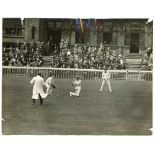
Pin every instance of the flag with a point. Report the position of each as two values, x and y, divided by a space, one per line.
81 23
77 24
89 24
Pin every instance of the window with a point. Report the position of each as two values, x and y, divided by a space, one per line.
58 24
12 26
10 31
19 31
107 38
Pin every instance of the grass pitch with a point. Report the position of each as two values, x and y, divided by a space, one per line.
125 111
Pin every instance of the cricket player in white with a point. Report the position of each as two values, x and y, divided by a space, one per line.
50 84
38 91
77 86
106 78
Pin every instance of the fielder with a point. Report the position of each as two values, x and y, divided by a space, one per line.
50 85
38 91
106 78
77 86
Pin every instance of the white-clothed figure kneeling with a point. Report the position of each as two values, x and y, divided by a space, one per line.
77 87
77 91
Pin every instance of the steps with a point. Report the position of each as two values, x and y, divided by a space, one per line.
134 56
133 61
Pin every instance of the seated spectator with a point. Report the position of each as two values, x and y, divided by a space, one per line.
147 60
81 56
149 51
21 56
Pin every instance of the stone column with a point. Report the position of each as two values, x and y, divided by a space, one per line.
29 24
93 37
120 38
72 39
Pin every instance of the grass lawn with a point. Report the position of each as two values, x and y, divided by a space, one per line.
125 111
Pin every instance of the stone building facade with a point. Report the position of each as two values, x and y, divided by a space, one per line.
132 35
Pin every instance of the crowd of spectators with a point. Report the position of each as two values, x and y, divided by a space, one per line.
26 54
87 57
79 56
147 60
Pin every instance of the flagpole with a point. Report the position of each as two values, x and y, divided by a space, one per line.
81 23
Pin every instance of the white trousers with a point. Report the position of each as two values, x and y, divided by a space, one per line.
103 82
35 95
48 89
77 91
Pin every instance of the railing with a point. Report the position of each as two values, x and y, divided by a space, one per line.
68 73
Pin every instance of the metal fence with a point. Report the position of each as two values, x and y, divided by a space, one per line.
68 73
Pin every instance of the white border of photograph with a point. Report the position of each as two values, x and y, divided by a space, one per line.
76 145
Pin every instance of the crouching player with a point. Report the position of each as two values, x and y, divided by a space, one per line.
50 85
106 78
77 86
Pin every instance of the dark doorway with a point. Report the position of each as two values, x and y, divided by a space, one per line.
107 37
55 38
134 43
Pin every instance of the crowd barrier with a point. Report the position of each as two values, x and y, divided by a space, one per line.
60 73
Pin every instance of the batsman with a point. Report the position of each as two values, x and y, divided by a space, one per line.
50 84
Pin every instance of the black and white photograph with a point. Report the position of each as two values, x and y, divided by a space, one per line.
77 76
